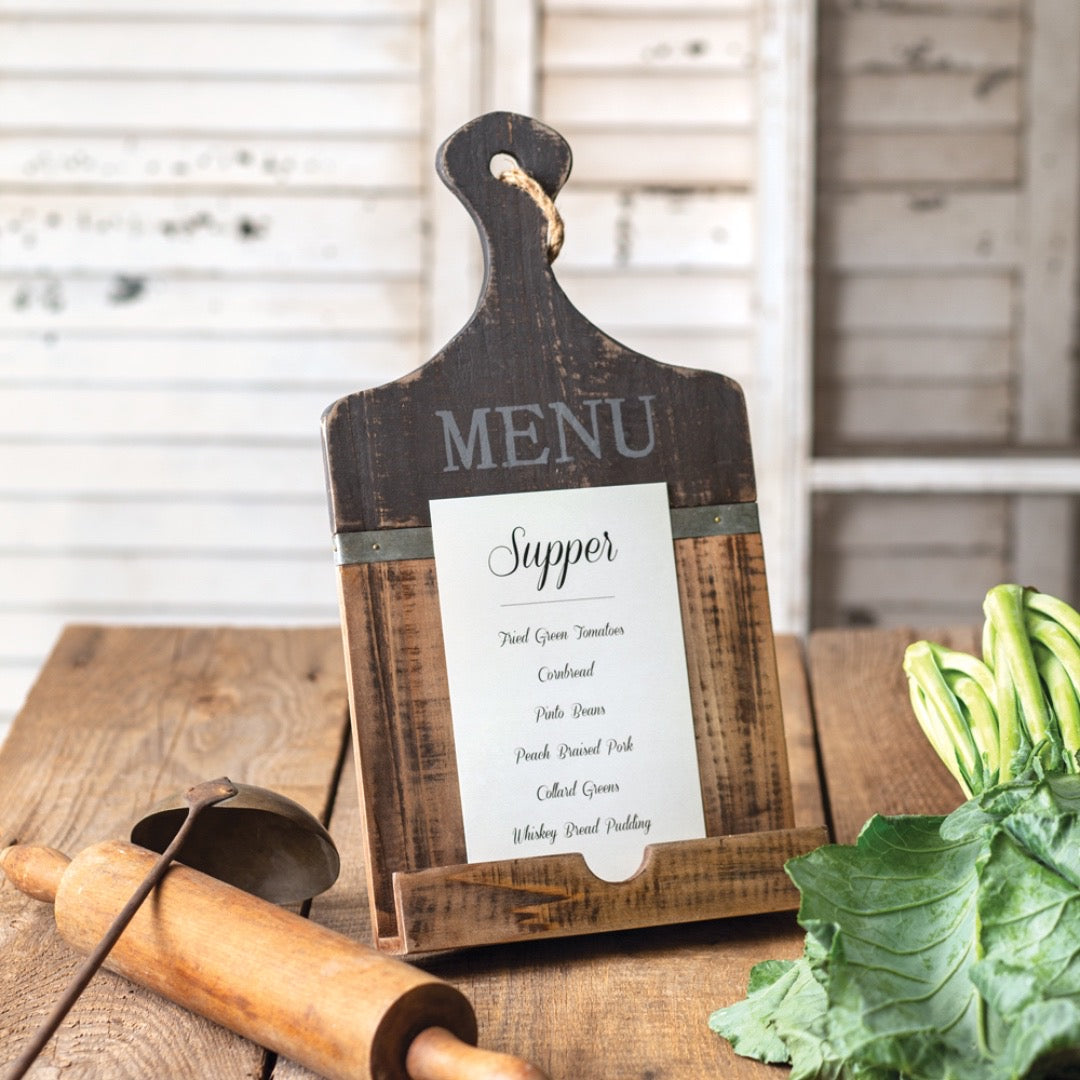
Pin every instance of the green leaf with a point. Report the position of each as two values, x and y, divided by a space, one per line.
900 908
936 948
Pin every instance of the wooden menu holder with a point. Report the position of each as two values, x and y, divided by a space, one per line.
531 396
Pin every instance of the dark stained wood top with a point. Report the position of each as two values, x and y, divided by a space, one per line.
529 395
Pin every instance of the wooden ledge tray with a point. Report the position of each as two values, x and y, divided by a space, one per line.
558 896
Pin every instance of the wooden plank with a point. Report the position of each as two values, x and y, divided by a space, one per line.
558 896
311 9
917 524
806 796
303 581
117 106
648 230
902 414
668 302
385 462
913 41
511 55
1050 221
669 100
675 41
264 707
599 976
128 234
1044 529
661 158
945 577
783 296
922 611
186 47
924 101
116 413
727 353
16 677
954 230
944 7
883 157
222 471
114 524
895 357
647 7
455 270
246 161
333 364
161 304
27 637
883 765
1043 473
900 301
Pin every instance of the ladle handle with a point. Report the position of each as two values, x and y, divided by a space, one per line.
199 798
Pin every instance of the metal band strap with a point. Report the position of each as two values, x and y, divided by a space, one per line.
390 545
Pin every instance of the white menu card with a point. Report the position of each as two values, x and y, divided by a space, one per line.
569 692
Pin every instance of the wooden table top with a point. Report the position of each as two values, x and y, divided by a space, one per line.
122 717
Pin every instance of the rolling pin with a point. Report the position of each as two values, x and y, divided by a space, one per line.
318 998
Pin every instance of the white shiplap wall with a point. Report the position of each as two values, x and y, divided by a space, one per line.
211 227
691 126
948 184
218 218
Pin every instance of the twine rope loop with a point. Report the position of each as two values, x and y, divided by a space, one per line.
555 232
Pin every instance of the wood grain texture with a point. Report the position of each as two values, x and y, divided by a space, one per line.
627 1004
119 718
875 757
387 449
557 896
407 767
531 396
807 803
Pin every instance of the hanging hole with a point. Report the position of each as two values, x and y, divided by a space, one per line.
501 162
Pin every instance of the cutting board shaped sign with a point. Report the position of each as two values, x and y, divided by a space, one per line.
555 612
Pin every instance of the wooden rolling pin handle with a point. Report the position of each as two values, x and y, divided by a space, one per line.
196 939
35 871
437 1054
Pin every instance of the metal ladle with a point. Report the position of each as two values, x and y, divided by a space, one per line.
266 844
257 840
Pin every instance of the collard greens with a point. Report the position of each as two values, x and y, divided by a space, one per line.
937 948
946 948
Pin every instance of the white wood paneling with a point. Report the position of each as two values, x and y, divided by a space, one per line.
206 233
931 101
647 101
669 42
218 163
110 523
916 41
213 226
244 107
196 9
663 158
691 126
947 229
915 302
877 230
282 49
296 360
134 301
1051 228
651 230
872 158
